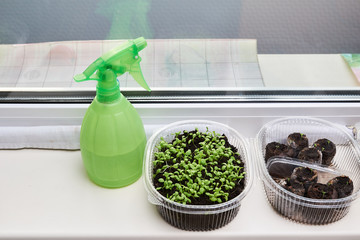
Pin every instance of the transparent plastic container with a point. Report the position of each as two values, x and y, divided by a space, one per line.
345 162
282 167
196 217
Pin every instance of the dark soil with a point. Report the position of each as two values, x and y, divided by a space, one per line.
322 191
303 182
322 151
203 199
278 149
343 186
311 155
304 176
298 141
294 187
328 150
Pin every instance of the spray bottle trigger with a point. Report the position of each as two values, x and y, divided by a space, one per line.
136 73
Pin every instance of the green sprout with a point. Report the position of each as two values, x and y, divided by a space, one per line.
197 164
323 193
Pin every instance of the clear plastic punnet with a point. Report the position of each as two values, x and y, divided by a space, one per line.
196 217
346 162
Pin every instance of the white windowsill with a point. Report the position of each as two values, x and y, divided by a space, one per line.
46 193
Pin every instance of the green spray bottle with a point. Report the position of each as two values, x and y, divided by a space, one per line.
112 136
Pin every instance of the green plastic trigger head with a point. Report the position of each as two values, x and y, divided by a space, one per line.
114 63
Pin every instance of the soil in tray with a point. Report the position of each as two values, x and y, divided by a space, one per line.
198 168
278 149
328 150
322 191
298 141
322 151
342 185
311 155
303 180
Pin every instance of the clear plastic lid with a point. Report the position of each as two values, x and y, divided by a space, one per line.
282 167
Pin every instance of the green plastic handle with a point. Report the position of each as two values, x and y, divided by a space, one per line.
136 73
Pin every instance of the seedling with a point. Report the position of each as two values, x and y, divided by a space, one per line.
196 166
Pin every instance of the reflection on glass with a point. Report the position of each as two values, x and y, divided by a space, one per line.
128 18
192 44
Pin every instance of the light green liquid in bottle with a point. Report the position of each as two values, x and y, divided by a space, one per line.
112 143
114 171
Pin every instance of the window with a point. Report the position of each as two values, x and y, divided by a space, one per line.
197 50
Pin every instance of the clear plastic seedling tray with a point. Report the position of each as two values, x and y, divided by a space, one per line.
196 217
345 162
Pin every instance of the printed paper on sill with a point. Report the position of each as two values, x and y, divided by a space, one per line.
353 60
166 63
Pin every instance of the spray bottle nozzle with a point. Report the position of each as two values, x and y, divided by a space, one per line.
112 64
140 43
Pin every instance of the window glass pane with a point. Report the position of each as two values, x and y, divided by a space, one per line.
242 48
